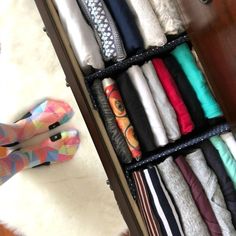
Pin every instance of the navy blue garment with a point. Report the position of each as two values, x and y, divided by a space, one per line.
125 21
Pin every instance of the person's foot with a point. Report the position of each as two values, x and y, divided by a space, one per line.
58 148
43 117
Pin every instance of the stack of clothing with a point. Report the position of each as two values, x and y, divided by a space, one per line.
193 193
110 30
156 103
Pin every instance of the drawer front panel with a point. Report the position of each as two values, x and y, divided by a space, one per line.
212 29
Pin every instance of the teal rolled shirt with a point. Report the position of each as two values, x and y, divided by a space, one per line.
226 157
195 76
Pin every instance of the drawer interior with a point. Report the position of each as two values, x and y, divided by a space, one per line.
118 174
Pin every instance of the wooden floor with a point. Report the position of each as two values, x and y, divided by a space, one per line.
5 232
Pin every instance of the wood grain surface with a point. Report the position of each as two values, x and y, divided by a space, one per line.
212 29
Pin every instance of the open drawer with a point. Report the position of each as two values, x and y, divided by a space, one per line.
115 172
75 79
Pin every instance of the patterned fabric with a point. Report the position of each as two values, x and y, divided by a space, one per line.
45 116
58 148
122 119
144 204
161 200
107 34
117 139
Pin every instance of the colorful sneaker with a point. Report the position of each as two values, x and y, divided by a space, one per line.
58 148
45 116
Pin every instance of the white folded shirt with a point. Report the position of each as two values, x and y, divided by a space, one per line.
145 95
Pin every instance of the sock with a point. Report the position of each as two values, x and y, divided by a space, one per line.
58 148
45 116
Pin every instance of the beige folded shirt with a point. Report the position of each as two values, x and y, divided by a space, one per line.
81 36
148 23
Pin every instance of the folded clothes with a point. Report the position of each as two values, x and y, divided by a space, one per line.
214 161
185 58
226 157
185 122
188 94
163 206
122 119
136 112
168 16
140 83
164 107
145 205
212 189
199 196
105 29
126 24
148 23
116 137
189 215
81 36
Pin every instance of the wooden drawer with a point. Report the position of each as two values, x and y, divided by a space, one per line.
212 29
208 26
93 121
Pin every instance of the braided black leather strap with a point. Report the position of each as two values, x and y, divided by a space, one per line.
135 60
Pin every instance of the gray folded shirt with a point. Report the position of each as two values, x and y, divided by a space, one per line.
191 219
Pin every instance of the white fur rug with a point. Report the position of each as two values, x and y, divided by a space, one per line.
69 199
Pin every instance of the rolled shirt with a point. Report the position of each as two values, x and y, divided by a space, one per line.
126 24
136 112
185 58
188 94
230 141
199 196
226 157
163 105
137 77
145 205
212 189
190 217
148 23
162 203
104 28
117 139
185 122
214 161
80 35
168 16
122 119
